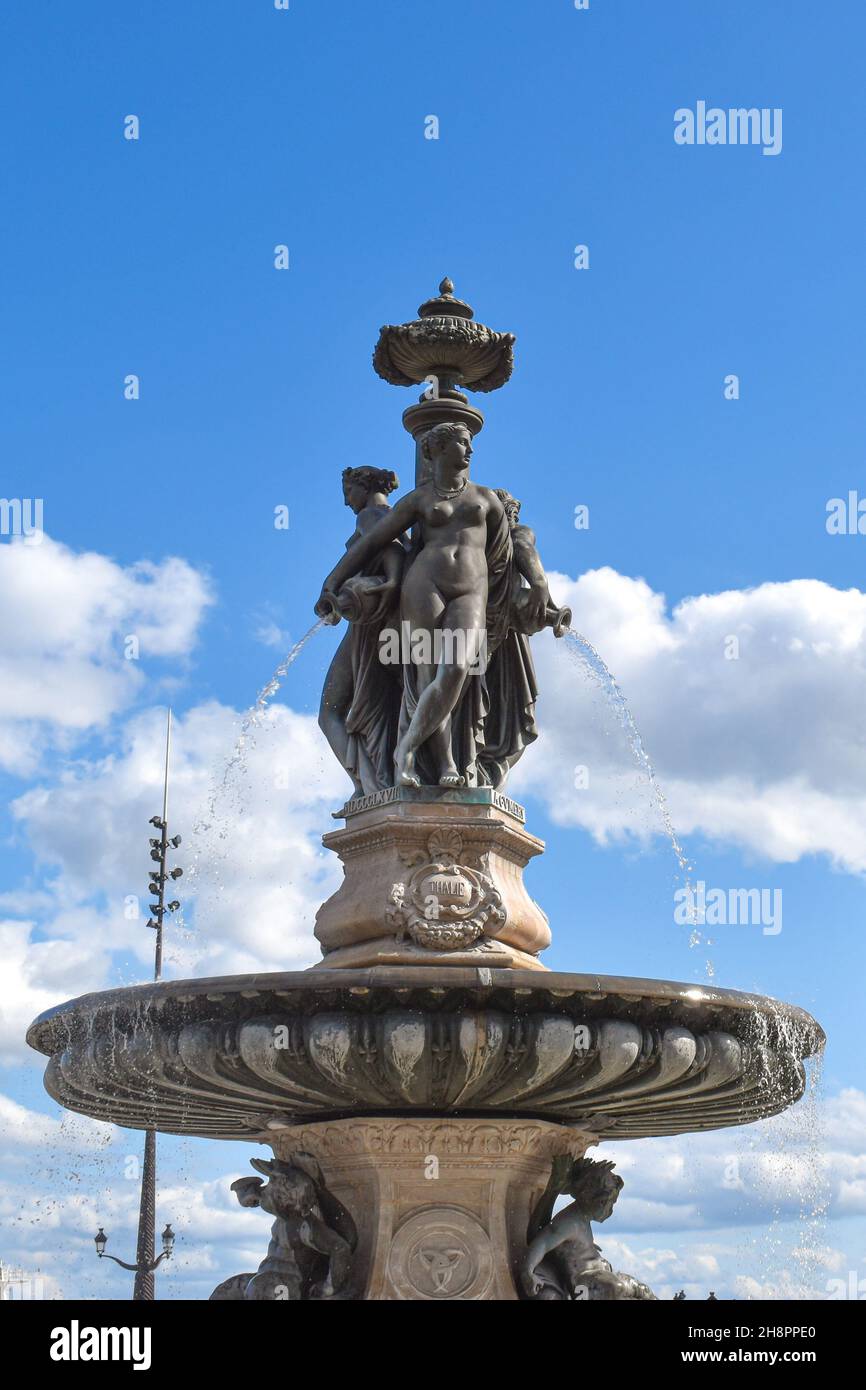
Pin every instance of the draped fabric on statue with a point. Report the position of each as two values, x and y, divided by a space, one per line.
372 719
511 692
371 723
495 717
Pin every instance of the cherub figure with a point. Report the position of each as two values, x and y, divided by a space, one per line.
563 1262
312 1238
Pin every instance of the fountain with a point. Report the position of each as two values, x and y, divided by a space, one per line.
430 1088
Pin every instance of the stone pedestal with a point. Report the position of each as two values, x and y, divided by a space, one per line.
433 878
441 1205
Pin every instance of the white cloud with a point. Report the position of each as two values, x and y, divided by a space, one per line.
266 629
762 1211
804 1167
694 1267
845 1120
64 622
27 1127
255 871
23 1128
767 752
63 1175
36 974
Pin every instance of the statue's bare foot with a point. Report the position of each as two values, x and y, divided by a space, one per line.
405 765
452 779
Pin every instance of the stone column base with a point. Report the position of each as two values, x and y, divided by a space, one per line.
441 1205
433 878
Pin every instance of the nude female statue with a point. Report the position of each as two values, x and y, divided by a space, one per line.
445 589
361 698
563 1263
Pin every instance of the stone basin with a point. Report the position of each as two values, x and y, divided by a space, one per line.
248 1056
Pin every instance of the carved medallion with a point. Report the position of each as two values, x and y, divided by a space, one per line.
441 1253
445 905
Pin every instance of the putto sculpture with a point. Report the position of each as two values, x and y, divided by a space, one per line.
562 1261
312 1238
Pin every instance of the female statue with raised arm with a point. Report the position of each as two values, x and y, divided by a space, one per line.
454 604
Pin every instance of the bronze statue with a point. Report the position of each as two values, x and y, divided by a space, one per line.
312 1238
361 697
468 685
532 606
562 1261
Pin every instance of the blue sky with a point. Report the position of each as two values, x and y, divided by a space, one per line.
155 257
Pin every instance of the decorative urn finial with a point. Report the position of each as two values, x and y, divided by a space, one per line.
447 343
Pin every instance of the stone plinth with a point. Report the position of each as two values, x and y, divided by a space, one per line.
433 878
442 1206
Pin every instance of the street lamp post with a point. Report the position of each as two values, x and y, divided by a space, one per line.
167 1246
158 853
145 1263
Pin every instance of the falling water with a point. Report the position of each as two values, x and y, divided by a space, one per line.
793 1180
226 802
792 1140
253 717
250 722
586 654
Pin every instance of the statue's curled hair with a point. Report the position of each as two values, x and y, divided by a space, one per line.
510 503
373 479
592 1179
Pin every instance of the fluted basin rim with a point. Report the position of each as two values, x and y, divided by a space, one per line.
613 995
